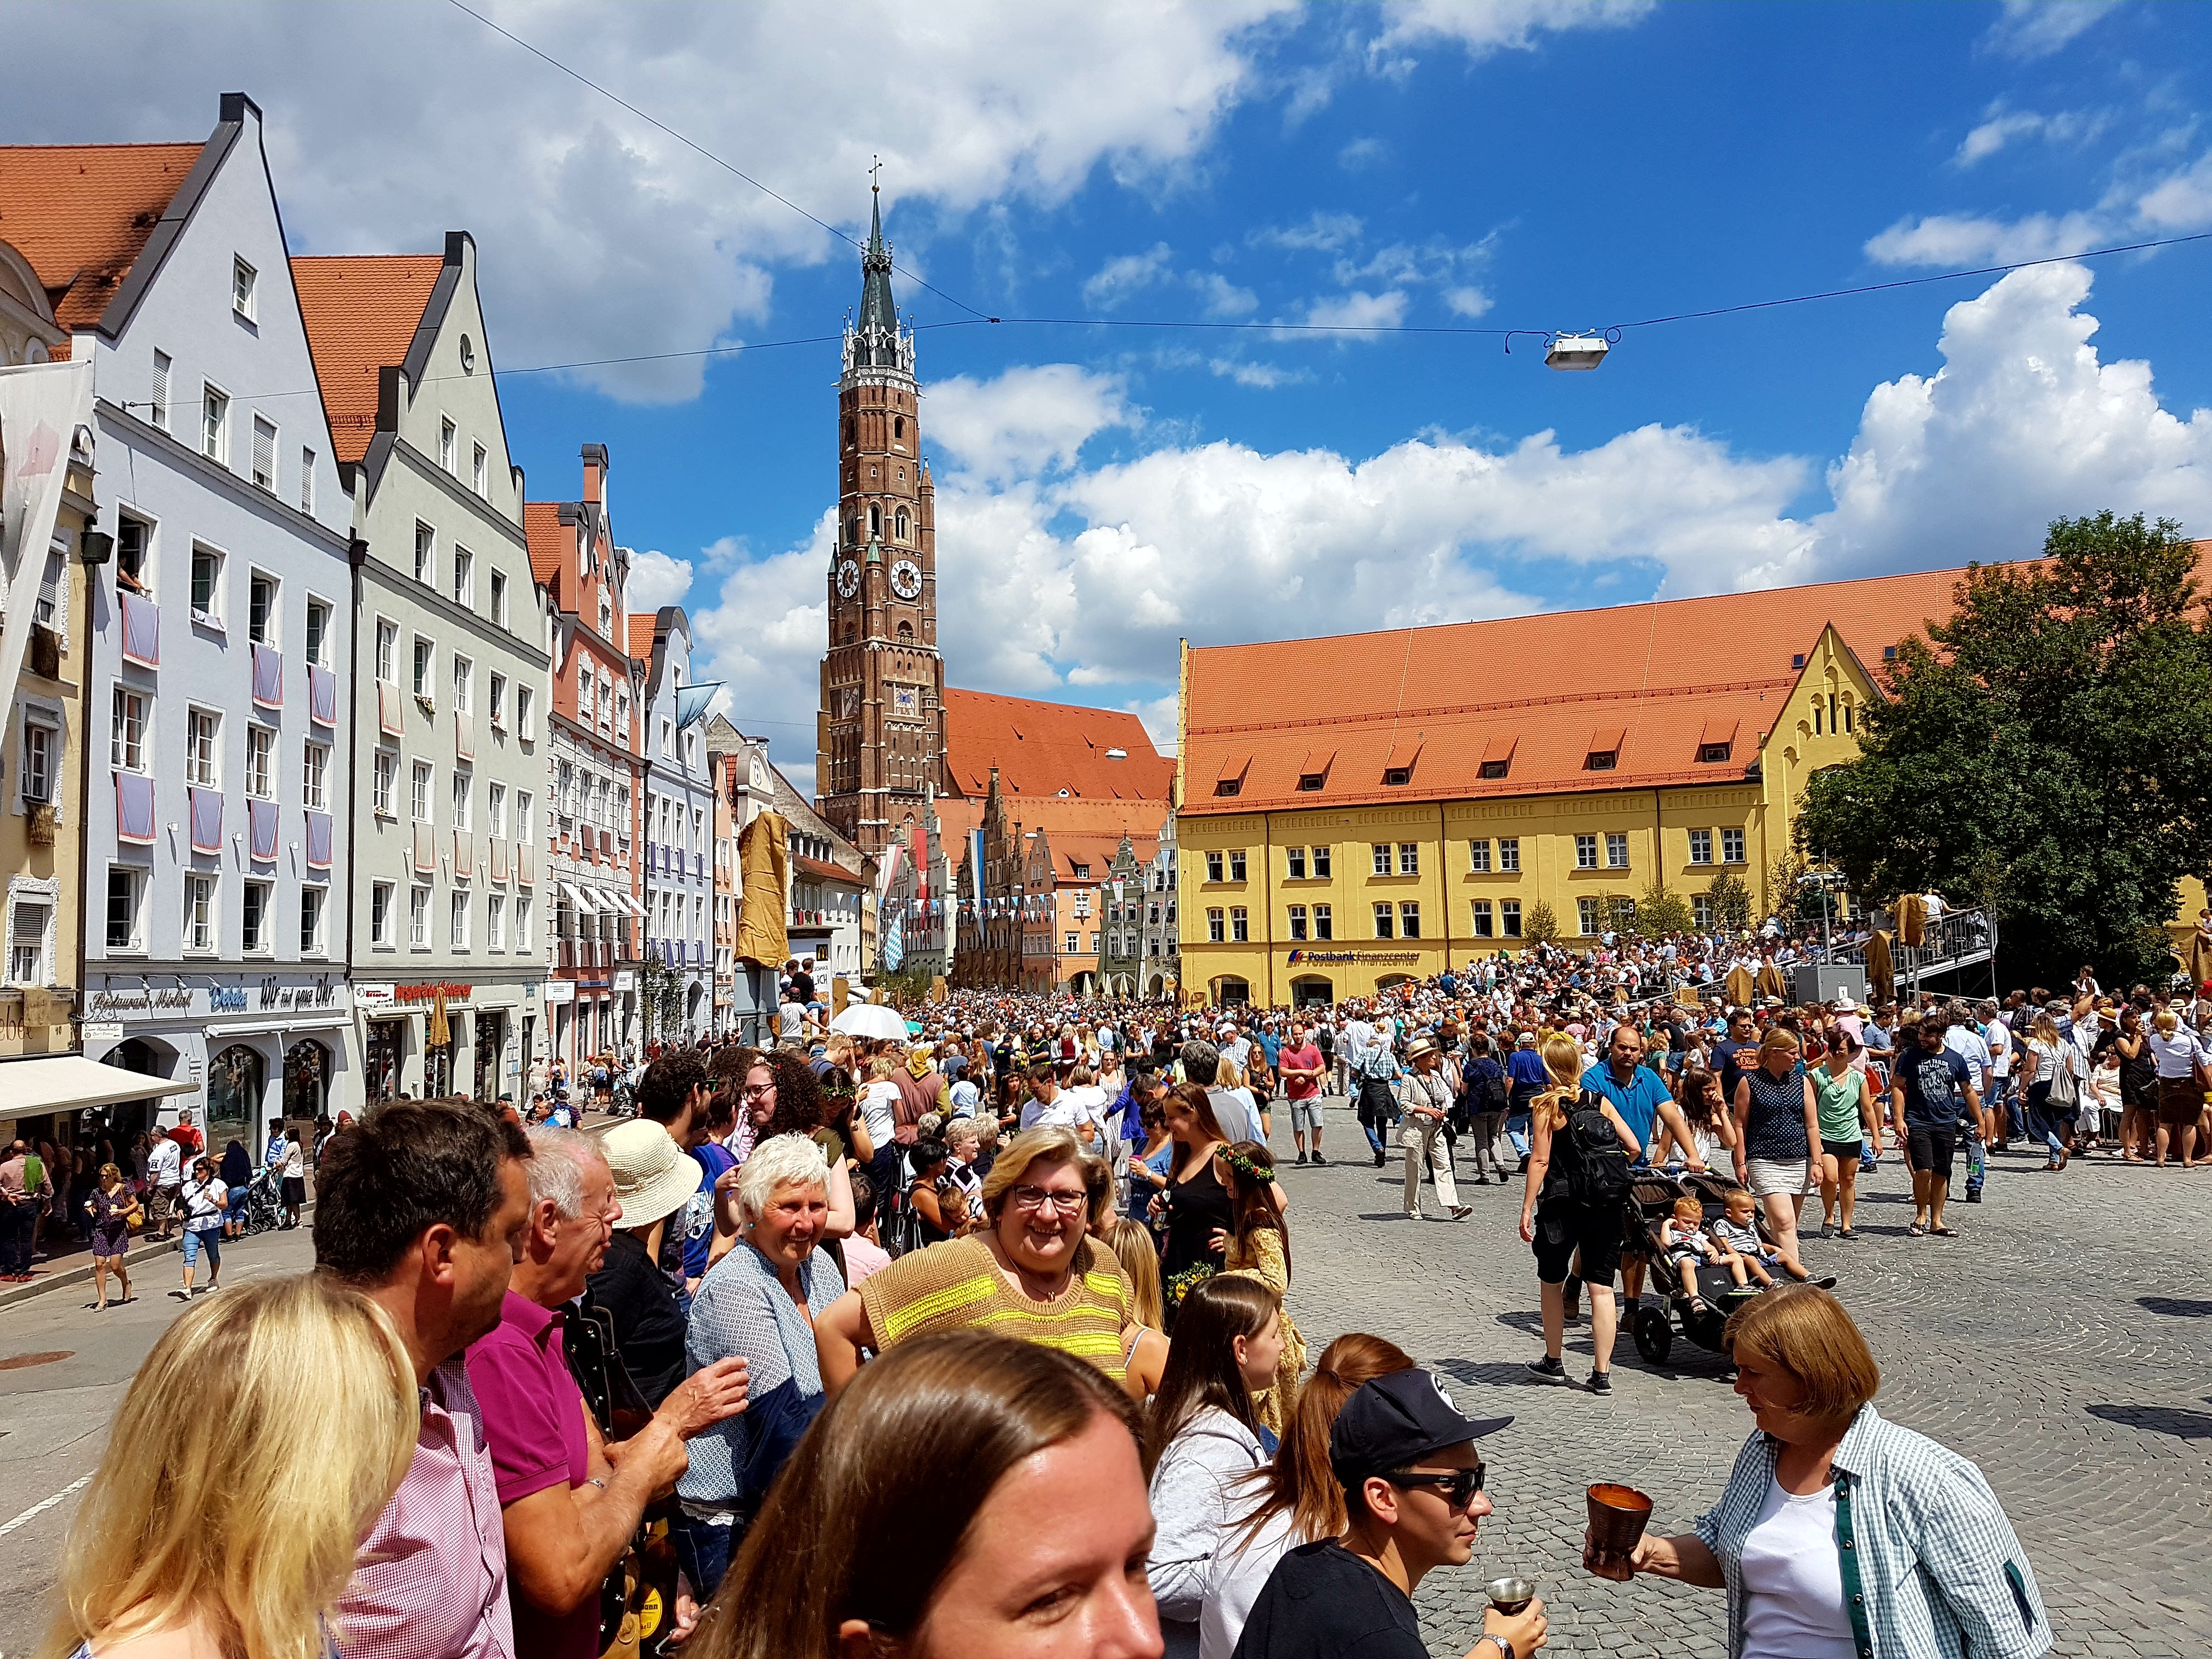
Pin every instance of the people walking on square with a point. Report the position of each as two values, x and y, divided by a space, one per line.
1840 1534
1932 1085
206 1201
1778 1126
1570 1207
112 1207
1424 1101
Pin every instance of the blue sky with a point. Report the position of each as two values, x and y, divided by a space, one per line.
1105 491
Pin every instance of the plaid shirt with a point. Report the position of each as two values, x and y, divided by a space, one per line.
1941 1573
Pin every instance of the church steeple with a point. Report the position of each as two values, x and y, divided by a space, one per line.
878 314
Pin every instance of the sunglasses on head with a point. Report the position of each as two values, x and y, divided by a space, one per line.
1457 1487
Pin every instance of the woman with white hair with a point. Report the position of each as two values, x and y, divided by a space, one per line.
758 1304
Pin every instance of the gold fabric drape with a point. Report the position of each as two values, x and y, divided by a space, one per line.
1740 987
1771 983
764 862
441 1033
1912 920
2199 959
1881 971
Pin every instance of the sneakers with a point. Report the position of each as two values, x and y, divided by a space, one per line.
1601 1382
1319 1161
1378 1160
1548 1370
1301 1158
1461 1211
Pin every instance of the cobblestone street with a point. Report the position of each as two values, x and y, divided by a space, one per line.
2063 1341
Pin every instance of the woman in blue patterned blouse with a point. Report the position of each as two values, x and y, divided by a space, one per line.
1841 1535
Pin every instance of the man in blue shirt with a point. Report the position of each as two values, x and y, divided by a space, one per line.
1930 1083
1639 1095
1525 1074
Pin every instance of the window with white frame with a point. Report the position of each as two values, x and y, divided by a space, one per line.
1701 909
668 740
1701 847
199 929
1509 854
1588 917
464 676
126 731
418 918
425 661
384 774
314 902
1409 919
522 921
1616 850
157 409
1508 917
1732 846
461 920
1386 919
38 755
126 897
1382 858
448 447
215 424
1298 916
426 553
381 922
525 714
387 651
314 786
243 283
498 597
464 795
1477 857
203 748
253 936
494 923
1585 854
261 761
1409 858
465 577
1483 922
1240 925
495 701
418 796
207 584
480 471
307 481
28 923
319 632
261 608
264 454
524 816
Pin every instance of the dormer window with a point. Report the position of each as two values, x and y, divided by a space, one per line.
1711 752
1604 752
1228 787
1309 781
1397 777
1602 760
1494 769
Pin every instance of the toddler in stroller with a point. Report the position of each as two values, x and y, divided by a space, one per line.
1685 1247
1668 1215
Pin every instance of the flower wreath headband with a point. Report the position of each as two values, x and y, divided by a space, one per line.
1243 1164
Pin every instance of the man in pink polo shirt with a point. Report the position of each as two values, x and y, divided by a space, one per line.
569 1512
1299 1063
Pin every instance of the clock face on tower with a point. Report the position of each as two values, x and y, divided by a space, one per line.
849 579
906 580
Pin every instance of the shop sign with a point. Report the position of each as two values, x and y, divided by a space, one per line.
375 996
318 994
530 992
625 979
560 990
226 999
430 992
104 1030
1360 958
112 1005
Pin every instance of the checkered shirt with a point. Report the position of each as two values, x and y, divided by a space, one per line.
1941 1571
430 1582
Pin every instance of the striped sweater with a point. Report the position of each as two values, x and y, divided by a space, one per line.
957 1286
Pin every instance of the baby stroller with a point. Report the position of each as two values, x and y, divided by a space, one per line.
1652 1202
264 1200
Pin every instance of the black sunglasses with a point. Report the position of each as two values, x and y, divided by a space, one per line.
1457 1488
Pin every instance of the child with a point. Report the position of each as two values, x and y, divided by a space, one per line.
1737 1234
1686 1246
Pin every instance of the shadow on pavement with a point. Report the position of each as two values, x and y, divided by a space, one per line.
2175 1307
2157 1420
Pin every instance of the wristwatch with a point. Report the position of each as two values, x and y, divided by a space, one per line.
1505 1647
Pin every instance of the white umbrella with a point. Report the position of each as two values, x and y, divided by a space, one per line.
870 1019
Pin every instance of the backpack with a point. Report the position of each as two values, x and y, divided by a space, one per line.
1596 1162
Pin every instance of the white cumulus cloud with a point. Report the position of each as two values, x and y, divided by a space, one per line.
1484 27
1360 309
656 579
2036 28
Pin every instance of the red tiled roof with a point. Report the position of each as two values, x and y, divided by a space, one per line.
1648 683
81 214
1096 851
821 871
361 310
1043 748
640 636
549 539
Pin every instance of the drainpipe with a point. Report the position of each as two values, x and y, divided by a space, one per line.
1268 896
1443 881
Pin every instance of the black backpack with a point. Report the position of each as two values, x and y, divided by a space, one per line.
1593 1160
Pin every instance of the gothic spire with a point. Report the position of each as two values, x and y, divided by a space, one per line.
877 310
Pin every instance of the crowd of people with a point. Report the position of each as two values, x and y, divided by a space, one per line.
980 1341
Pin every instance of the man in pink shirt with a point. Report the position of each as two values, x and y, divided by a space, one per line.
422 1206
1299 1065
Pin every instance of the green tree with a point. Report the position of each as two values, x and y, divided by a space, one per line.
2050 742
1540 926
1661 910
1617 914
1730 900
660 1000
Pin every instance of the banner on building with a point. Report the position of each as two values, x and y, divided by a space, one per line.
41 407
764 856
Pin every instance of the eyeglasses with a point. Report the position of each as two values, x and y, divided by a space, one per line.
1457 1488
757 1090
1035 1198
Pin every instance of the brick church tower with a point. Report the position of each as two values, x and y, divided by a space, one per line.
880 734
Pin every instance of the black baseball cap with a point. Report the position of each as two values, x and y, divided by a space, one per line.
1394 1421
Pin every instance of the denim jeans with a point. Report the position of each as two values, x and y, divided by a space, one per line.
16 1228
210 1241
2042 1123
704 1549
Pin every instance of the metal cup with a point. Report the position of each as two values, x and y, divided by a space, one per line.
1510 1596
1618 1516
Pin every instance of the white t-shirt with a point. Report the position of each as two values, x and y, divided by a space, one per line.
877 1101
1998 1036
791 1019
295 1161
165 1165
1068 1110
1793 1581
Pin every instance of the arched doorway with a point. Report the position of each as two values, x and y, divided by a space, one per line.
307 1080
1230 992
1312 991
1156 988
235 1079
130 1118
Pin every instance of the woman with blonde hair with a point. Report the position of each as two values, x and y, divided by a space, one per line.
1566 1212
237 1536
112 1207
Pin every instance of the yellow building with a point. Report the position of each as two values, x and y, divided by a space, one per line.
1369 808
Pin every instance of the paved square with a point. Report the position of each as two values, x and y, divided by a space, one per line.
2063 1341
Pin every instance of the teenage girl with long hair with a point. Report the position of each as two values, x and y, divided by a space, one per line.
1257 1244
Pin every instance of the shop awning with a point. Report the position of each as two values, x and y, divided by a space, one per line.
635 909
580 900
67 1082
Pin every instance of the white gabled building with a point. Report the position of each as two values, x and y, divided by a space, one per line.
217 694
